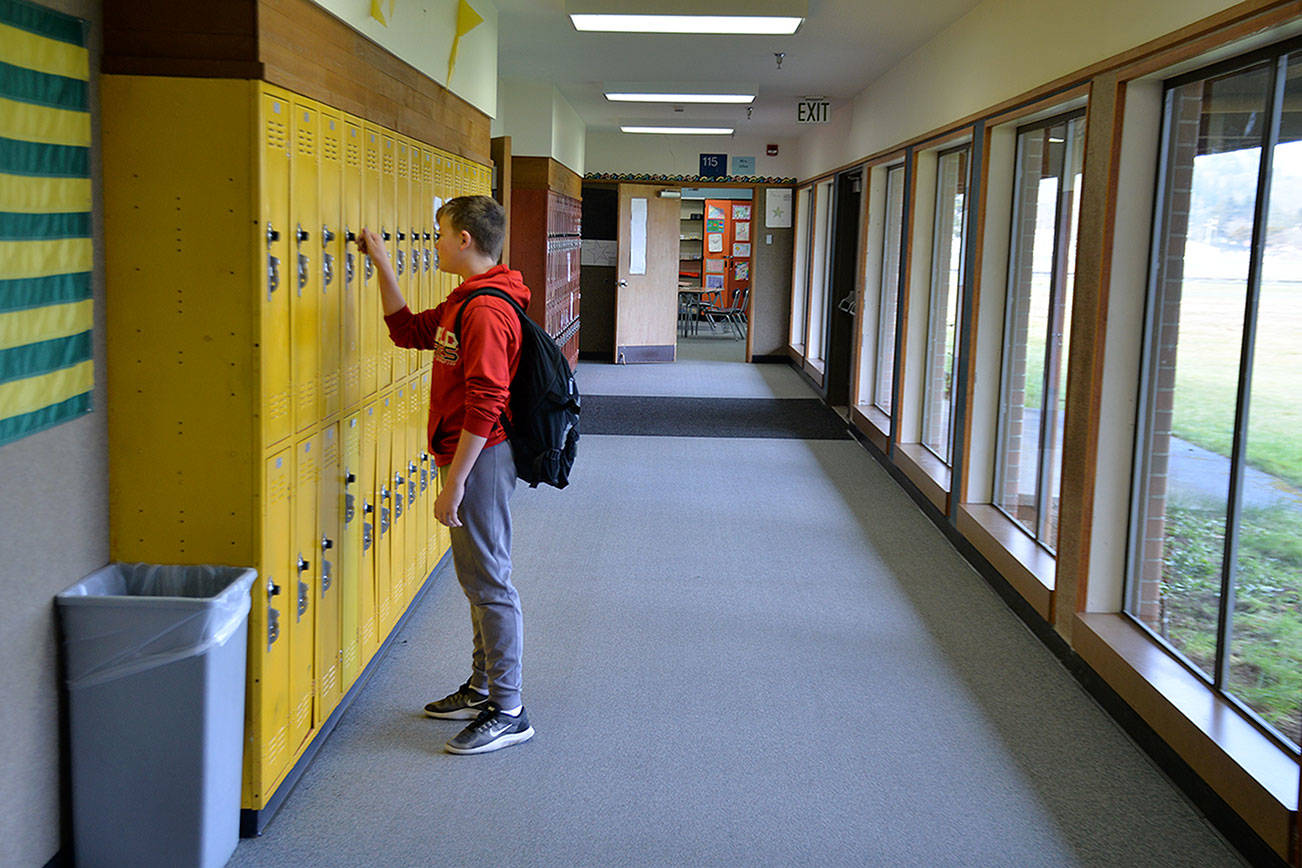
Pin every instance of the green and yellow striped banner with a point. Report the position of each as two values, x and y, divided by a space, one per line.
46 251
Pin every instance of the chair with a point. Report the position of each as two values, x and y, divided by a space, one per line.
734 314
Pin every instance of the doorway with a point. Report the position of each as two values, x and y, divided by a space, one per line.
842 307
714 274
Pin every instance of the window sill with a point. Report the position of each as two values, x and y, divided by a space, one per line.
1025 565
1254 776
926 471
874 424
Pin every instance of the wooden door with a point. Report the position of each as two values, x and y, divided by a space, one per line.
646 293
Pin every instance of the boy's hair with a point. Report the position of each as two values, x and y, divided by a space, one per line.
482 217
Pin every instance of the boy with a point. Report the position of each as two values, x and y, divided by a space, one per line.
468 393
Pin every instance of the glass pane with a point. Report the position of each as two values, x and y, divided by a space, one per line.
822 254
1060 345
1040 156
886 318
942 318
1213 148
801 258
1266 649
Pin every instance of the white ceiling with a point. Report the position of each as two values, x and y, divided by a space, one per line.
842 47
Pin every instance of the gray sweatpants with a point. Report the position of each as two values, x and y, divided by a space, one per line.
481 553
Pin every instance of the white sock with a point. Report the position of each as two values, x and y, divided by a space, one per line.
513 712
478 690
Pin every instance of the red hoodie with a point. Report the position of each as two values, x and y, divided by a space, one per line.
470 384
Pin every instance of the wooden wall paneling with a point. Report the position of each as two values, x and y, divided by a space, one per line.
183 39
529 254
1085 355
501 156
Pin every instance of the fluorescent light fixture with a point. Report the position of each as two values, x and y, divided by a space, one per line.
715 98
681 131
765 25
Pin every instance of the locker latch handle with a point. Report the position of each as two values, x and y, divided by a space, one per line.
367 507
427 236
384 234
424 456
273 275
411 466
302 234
349 477
402 236
303 564
272 235
384 493
326 543
326 236
349 235
273 589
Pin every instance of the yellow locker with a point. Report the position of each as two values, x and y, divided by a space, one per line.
350 552
302 632
384 571
427 227
400 540
401 247
276 391
416 358
350 290
267 752
328 643
369 298
417 548
305 211
388 221
329 336
368 602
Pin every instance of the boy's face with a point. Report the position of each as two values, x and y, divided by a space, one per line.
450 246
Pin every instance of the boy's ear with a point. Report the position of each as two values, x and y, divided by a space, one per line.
466 240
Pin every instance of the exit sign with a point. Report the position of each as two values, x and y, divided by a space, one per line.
813 111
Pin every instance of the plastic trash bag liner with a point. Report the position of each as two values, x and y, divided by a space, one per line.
125 619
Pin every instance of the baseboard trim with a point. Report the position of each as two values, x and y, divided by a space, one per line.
635 355
253 822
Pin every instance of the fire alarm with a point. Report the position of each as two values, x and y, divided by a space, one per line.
771 150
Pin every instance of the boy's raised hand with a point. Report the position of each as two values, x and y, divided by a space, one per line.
370 244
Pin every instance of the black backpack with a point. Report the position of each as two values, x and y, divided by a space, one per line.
544 424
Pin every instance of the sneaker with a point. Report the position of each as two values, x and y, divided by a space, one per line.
492 730
463 704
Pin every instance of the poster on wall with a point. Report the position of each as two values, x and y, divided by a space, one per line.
741 231
741 271
714 225
740 212
714 212
714 242
714 265
777 208
741 250
714 281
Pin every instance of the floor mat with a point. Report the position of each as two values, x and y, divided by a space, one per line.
773 418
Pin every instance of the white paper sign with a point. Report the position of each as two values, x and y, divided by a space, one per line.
714 242
777 208
637 238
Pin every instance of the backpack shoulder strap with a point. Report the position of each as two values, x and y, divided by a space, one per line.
456 326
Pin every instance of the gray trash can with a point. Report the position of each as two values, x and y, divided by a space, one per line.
154 662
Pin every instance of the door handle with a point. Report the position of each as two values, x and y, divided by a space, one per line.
622 283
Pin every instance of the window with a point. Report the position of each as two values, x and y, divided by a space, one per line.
819 273
943 326
1216 525
1041 276
799 272
887 305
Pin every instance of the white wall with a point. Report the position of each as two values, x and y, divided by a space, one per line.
421 34
540 122
613 151
1000 49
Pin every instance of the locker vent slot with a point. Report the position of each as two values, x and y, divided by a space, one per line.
330 149
306 141
277 134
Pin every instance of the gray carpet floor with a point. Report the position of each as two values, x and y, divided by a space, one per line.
739 651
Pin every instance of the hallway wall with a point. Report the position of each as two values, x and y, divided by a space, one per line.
1000 49
54 503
